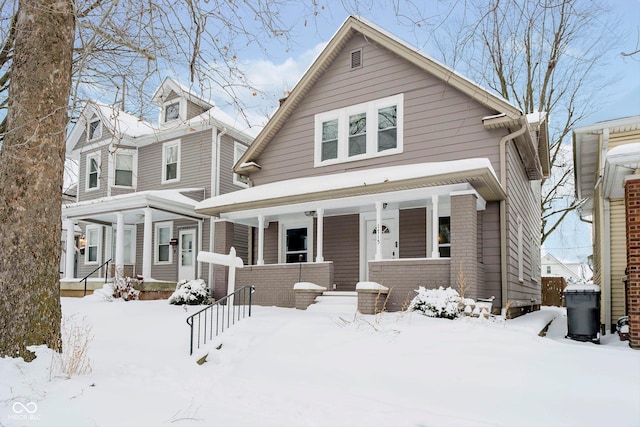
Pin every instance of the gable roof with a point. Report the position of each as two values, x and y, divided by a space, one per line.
169 85
351 26
119 123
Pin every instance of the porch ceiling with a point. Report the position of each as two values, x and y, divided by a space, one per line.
388 182
166 205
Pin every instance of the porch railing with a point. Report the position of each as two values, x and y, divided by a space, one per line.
210 321
106 272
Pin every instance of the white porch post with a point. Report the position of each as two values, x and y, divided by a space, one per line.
120 243
70 249
146 246
435 251
378 231
260 240
319 237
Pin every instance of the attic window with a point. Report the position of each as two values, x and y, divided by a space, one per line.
356 59
95 130
172 111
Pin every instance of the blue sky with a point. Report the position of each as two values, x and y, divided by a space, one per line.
279 69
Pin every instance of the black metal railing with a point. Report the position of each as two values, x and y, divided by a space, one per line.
236 305
106 273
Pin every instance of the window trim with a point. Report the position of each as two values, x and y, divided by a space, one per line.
97 133
342 115
181 111
95 155
156 230
167 144
88 230
283 226
238 150
134 167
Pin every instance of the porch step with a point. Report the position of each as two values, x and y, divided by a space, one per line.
336 302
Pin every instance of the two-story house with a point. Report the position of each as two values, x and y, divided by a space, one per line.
385 166
607 176
138 184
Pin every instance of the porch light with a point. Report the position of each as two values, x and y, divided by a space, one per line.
310 213
82 244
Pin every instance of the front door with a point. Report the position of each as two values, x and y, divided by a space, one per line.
388 240
187 257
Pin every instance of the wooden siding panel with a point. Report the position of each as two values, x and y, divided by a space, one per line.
618 254
413 234
342 247
440 123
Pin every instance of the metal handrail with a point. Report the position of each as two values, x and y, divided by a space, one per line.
106 272
240 298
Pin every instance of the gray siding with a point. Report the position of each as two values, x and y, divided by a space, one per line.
342 247
440 123
413 234
103 174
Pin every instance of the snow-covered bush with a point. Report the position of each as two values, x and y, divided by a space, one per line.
193 292
437 302
124 287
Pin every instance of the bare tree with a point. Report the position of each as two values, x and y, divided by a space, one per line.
542 55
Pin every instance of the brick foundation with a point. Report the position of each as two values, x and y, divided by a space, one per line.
632 211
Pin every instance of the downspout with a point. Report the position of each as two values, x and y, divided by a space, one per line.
503 211
605 236
215 191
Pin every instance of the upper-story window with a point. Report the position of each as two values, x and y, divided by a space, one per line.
94 130
93 172
238 151
171 111
360 131
124 164
171 161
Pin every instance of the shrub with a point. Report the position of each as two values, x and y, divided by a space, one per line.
73 359
193 292
439 302
124 287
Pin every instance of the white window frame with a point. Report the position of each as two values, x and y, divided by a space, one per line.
342 116
97 133
238 150
177 143
90 230
520 250
283 226
181 111
132 245
112 167
97 155
156 232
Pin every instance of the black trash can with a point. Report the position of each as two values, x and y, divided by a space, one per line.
583 312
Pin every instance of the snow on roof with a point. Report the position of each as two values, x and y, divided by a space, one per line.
167 195
625 154
121 122
338 181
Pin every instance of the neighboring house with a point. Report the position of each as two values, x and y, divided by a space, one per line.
138 185
607 175
384 165
552 266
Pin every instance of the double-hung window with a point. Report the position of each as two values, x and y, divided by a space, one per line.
296 241
93 172
124 167
94 242
238 151
163 253
171 161
359 131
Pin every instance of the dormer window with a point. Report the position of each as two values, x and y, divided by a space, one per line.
172 112
95 130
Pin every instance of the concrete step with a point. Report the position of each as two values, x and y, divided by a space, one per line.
336 302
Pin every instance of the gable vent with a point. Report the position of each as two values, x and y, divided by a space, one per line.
356 59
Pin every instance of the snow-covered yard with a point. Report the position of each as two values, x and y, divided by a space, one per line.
284 367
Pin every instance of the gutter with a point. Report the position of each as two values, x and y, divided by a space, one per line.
503 210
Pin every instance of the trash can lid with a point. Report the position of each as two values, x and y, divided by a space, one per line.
582 287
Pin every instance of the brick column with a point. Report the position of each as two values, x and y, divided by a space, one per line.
632 211
464 242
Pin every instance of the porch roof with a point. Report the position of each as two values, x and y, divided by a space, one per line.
477 172
167 204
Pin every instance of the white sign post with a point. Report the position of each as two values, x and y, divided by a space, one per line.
230 260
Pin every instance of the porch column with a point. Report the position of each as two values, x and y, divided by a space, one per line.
435 250
464 242
378 231
260 260
319 237
120 243
70 249
147 248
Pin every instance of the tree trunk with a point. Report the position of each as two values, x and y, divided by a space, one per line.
31 177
